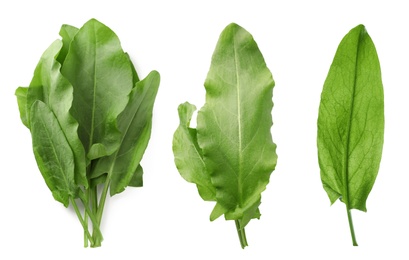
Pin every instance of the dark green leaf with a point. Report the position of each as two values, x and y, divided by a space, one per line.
137 180
101 75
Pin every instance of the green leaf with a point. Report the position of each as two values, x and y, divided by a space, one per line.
53 153
135 124
67 33
137 180
188 155
49 86
351 122
234 125
233 136
101 75
21 94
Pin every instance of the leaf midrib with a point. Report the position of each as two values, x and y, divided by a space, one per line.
64 177
236 64
91 137
349 126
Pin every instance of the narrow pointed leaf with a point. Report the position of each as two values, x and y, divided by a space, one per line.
101 75
234 125
351 121
135 124
49 86
188 155
53 153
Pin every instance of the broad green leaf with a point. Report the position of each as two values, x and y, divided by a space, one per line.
101 75
234 124
351 121
232 143
189 156
67 33
53 153
21 94
135 124
49 86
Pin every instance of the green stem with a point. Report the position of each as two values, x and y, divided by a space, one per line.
84 225
94 207
242 234
351 227
103 198
95 223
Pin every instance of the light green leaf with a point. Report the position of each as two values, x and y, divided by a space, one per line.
188 155
351 121
67 33
101 75
21 94
234 125
53 153
232 142
50 87
135 124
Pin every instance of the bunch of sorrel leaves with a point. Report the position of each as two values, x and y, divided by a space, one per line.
90 119
231 154
351 123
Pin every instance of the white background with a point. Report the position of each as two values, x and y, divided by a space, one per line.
166 219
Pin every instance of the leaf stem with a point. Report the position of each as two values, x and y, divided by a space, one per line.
84 225
242 234
103 198
351 227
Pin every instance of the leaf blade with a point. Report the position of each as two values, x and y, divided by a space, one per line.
49 86
96 59
235 122
188 155
53 153
135 124
351 121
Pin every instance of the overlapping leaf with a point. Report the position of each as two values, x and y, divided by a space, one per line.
87 110
135 124
101 75
233 130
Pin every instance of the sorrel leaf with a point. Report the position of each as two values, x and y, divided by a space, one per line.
50 87
233 128
135 124
101 75
351 122
188 155
87 76
21 94
67 33
53 153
